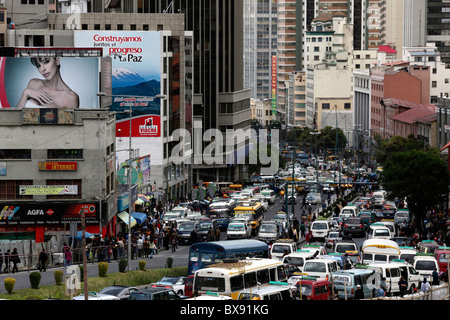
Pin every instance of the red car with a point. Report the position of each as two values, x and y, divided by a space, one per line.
313 288
188 286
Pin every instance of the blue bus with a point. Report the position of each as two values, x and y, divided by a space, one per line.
203 254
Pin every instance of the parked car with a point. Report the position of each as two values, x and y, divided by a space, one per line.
155 293
177 284
121 292
96 296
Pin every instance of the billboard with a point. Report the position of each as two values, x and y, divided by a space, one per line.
136 71
49 82
274 87
46 213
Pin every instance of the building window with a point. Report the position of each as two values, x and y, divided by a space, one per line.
434 84
325 106
65 154
9 189
347 105
15 154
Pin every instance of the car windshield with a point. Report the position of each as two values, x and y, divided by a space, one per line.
342 248
268 228
382 233
298 261
112 291
186 227
341 279
444 257
333 235
402 215
168 281
235 227
319 226
205 226
249 296
425 265
314 267
280 248
306 289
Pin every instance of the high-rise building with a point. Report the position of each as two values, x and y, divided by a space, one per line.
438 26
260 44
219 99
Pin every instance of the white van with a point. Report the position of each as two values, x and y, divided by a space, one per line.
299 258
378 198
269 292
378 231
320 229
269 195
425 264
349 212
411 275
390 225
392 273
281 246
320 268
379 251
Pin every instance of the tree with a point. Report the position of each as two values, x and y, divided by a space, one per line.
419 176
397 144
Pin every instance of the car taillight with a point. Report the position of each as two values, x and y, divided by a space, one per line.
360 225
352 291
345 226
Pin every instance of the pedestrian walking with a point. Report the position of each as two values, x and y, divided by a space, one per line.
174 242
43 258
67 255
403 284
152 247
7 260
15 259
1 260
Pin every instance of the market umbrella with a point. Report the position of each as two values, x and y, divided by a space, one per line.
143 198
88 235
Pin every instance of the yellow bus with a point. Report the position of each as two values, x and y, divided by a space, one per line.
232 276
252 211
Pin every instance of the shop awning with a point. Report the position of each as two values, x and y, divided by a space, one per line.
144 198
124 217
140 217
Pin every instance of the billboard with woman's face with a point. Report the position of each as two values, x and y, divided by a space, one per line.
49 82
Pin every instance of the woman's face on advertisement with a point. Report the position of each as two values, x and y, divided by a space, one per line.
47 67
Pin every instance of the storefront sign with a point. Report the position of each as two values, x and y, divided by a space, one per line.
48 190
46 214
57 166
2 168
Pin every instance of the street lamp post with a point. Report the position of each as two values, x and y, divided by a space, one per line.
102 94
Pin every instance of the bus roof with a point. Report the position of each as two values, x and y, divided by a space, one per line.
241 265
381 246
230 245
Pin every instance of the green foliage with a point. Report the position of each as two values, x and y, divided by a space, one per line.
169 262
396 144
123 263
142 265
102 269
419 176
132 278
59 275
35 279
9 285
